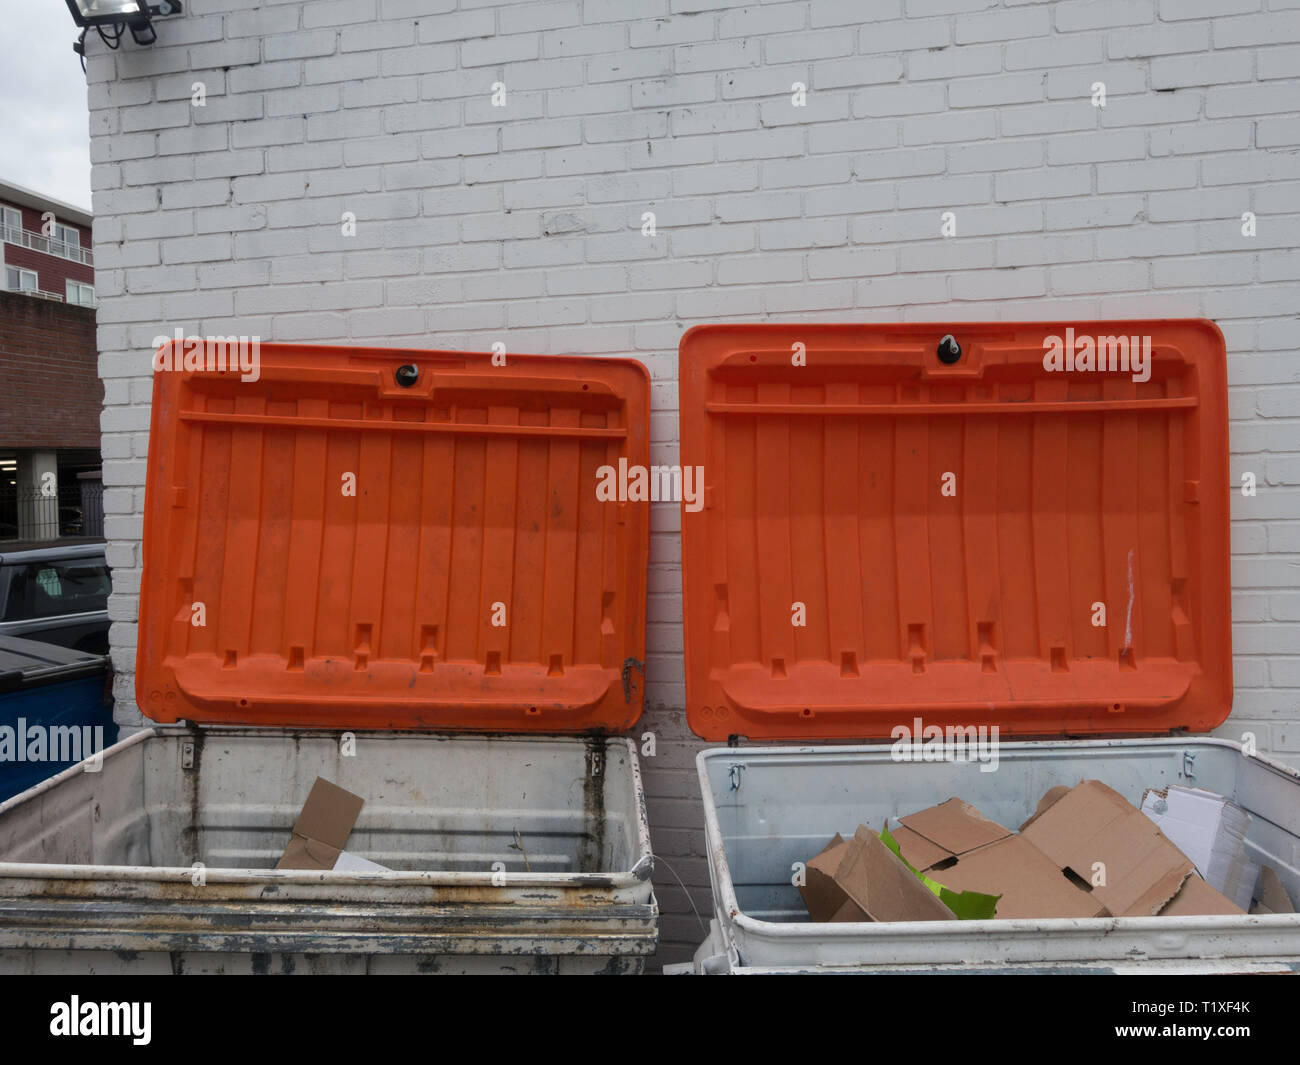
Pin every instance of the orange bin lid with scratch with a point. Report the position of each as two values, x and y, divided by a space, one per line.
992 537
342 543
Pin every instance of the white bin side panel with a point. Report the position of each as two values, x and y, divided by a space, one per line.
768 808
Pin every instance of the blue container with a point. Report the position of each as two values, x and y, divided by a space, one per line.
55 710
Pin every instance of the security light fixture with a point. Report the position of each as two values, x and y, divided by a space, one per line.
105 12
110 17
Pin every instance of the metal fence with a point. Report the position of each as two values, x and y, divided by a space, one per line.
77 509
90 487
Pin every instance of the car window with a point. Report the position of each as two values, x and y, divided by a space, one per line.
48 579
13 606
72 587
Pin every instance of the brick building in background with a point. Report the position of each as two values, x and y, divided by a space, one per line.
50 392
523 223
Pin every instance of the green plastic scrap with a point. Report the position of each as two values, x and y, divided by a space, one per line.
967 905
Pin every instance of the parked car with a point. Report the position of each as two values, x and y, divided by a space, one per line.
56 592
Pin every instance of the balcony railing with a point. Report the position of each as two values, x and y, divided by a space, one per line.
25 238
38 294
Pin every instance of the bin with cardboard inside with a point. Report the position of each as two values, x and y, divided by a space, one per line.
931 532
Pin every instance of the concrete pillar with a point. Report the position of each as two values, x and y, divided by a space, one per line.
38 495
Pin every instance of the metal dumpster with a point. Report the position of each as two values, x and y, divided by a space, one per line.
163 860
918 530
351 554
768 808
55 710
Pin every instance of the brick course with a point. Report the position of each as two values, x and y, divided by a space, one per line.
50 392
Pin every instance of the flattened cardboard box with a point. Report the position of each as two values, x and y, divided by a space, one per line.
1196 898
862 880
962 849
1096 834
322 829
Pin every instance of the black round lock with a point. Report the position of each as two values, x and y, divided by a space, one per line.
407 375
949 350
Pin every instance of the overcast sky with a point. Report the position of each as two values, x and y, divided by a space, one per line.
46 142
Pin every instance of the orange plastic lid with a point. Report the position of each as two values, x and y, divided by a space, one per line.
343 543
1013 537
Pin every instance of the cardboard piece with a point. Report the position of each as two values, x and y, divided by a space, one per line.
1028 881
1211 831
863 880
1272 895
1096 834
322 828
821 895
1197 898
959 847
967 905
953 827
1049 796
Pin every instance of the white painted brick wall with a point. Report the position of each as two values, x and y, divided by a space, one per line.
478 223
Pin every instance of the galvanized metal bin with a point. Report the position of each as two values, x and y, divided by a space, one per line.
767 808
98 870
940 527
